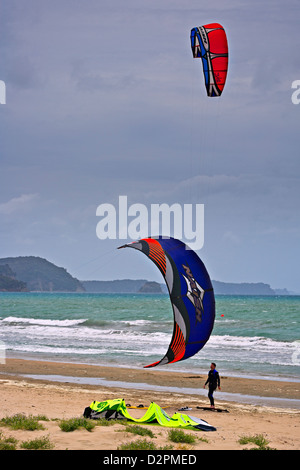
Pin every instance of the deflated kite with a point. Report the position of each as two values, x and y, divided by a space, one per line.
191 294
209 43
117 409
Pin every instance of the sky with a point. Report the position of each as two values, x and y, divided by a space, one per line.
104 98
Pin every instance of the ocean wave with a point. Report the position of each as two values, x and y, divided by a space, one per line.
249 342
41 321
226 320
110 322
43 332
34 349
136 330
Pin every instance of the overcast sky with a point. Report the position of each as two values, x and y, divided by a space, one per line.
104 99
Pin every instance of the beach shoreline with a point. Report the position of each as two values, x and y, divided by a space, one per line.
263 387
21 393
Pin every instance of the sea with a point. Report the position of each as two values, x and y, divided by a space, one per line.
253 336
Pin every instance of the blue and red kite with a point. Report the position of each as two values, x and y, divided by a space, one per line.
209 43
191 294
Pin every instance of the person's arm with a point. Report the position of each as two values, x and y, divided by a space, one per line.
218 377
206 381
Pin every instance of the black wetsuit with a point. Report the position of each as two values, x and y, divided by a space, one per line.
213 381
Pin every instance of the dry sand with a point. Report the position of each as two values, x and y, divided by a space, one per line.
57 400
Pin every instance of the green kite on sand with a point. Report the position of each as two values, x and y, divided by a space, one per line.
116 409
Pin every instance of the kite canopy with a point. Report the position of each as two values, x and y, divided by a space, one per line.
191 294
209 43
116 409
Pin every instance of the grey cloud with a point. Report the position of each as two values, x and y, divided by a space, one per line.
17 203
104 98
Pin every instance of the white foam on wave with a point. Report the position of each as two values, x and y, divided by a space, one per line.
35 349
75 336
249 343
60 336
41 321
77 328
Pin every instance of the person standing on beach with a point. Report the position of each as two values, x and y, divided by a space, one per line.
213 382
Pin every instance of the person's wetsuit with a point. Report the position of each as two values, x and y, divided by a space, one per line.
213 382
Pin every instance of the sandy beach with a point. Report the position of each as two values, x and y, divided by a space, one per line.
64 399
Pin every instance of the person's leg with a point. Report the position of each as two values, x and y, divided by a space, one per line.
211 397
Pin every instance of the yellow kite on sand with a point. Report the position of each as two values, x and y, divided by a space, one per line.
117 409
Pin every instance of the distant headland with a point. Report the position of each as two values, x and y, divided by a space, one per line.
35 274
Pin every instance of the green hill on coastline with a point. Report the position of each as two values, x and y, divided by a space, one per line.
36 274
243 288
8 281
